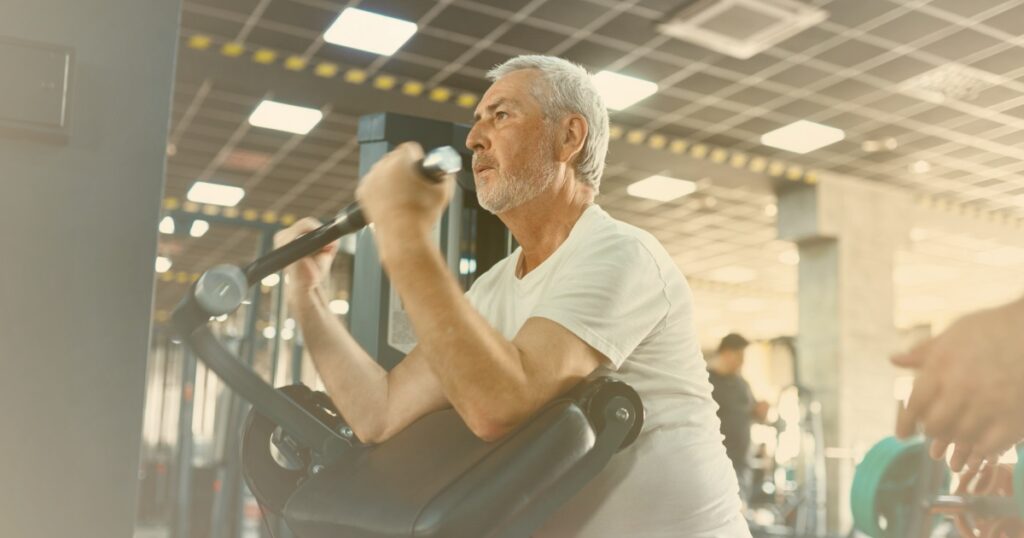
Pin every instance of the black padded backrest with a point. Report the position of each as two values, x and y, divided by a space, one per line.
436 478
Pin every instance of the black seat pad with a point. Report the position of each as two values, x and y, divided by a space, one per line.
436 478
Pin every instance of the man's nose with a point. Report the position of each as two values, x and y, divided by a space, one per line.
477 138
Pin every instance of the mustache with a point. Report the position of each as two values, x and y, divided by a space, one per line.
483 161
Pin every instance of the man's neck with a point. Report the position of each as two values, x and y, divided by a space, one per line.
543 224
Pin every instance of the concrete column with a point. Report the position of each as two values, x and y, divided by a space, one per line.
847 232
82 177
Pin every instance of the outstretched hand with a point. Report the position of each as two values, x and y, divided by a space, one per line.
968 390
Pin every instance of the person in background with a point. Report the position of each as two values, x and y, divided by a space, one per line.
737 407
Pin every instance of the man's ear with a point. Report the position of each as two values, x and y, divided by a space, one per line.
574 133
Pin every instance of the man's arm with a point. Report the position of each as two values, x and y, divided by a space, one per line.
376 403
495 384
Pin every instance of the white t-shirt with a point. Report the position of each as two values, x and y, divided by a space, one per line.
614 286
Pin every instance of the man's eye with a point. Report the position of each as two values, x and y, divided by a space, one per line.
501 114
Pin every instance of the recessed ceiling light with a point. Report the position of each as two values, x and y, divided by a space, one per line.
284 117
199 228
167 225
203 192
920 167
770 210
368 31
339 306
871 146
269 332
661 188
622 91
733 274
802 136
163 264
271 280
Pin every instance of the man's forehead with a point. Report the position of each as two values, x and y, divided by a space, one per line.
513 88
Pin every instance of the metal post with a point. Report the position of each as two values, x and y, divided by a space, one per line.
181 524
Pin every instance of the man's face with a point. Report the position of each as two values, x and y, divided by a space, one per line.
733 358
513 145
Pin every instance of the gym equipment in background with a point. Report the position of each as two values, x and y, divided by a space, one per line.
898 491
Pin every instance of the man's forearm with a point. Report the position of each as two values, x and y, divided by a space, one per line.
355 382
479 369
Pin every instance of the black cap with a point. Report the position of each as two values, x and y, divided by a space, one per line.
733 341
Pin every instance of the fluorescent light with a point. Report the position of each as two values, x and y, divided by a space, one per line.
199 228
163 264
203 192
222 317
167 225
269 332
368 31
733 274
920 167
271 280
802 136
621 91
287 334
661 188
339 306
289 323
284 117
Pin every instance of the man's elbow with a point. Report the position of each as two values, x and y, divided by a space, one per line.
372 434
492 425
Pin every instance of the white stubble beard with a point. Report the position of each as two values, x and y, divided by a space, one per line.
510 190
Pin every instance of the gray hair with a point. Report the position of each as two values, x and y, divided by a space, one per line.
569 90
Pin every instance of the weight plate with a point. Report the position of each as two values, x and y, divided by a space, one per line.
884 485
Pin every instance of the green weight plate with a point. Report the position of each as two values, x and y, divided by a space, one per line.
884 485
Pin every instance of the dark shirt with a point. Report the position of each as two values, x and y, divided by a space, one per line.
735 410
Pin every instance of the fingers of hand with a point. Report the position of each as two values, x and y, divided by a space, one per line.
941 418
961 454
996 440
302 226
937 450
915 358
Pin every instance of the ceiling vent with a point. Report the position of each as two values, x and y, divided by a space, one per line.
950 81
741 28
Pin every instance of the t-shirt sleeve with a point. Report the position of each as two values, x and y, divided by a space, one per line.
612 297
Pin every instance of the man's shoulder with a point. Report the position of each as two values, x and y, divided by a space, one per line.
609 233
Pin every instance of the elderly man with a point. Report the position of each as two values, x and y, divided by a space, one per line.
584 295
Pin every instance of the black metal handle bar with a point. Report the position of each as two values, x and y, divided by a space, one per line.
221 290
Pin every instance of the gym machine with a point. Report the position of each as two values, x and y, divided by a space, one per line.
302 462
